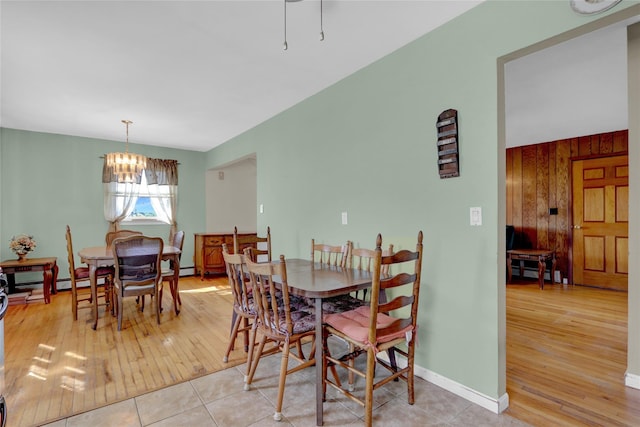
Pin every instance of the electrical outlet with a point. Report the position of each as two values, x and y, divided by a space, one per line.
261 208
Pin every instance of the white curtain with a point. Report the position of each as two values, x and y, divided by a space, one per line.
162 183
119 197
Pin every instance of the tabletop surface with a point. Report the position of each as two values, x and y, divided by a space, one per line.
102 252
27 262
530 251
315 280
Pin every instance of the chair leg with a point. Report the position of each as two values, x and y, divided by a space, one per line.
392 361
120 310
255 360
410 361
368 401
232 337
352 363
175 295
245 326
277 416
107 293
252 342
74 300
160 298
158 304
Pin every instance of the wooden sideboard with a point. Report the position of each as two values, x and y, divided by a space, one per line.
208 251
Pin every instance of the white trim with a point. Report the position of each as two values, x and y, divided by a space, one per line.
496 406
632 380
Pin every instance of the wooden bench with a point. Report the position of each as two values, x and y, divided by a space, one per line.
540 255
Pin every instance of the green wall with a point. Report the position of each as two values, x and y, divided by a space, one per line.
48 181
367 146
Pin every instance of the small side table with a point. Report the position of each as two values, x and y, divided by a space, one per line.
540 255
48 266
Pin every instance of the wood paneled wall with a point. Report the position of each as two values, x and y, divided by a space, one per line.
539 179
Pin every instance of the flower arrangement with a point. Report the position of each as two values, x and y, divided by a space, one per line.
22 244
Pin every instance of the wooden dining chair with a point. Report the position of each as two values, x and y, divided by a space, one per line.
261 245
81 274
112 235
278 323
138 270
336 255
379 327
363 259
244 314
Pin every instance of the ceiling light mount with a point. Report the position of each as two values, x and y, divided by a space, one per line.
286 46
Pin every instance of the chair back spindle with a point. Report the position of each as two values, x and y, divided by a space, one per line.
334 255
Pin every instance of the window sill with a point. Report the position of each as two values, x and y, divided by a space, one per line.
143 221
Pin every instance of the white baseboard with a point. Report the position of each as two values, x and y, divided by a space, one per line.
632 380
496 406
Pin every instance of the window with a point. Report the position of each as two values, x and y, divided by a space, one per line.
144 211
152 201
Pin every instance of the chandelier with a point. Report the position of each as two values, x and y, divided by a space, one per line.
127 166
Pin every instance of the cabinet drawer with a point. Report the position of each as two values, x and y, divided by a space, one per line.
214 240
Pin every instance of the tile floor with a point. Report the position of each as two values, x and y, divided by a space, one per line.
218 400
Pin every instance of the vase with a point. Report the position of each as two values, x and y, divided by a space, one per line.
22 257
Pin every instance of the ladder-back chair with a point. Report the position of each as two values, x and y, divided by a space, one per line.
379 327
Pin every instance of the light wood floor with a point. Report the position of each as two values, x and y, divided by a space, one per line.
55 367
566 354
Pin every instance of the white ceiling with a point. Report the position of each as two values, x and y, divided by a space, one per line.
193 74
190 74
573 89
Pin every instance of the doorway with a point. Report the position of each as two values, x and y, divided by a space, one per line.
231 196
634 203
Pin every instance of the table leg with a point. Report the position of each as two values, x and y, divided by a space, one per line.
542 266
521 269
11 281
553 267
47 277
54 282
509 268
94 293
319 362
174 284
49 282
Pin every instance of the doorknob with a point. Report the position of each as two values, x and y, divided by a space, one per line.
577 227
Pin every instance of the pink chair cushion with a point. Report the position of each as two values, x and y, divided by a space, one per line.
355 324
83 272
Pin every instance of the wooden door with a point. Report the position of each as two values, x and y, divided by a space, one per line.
600 193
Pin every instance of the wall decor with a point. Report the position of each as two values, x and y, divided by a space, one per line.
447 127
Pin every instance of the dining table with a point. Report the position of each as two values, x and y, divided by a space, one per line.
319 281
102 256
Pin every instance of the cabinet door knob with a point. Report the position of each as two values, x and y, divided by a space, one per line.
577 227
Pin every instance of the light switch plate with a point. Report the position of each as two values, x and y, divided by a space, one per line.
475 216
344 218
